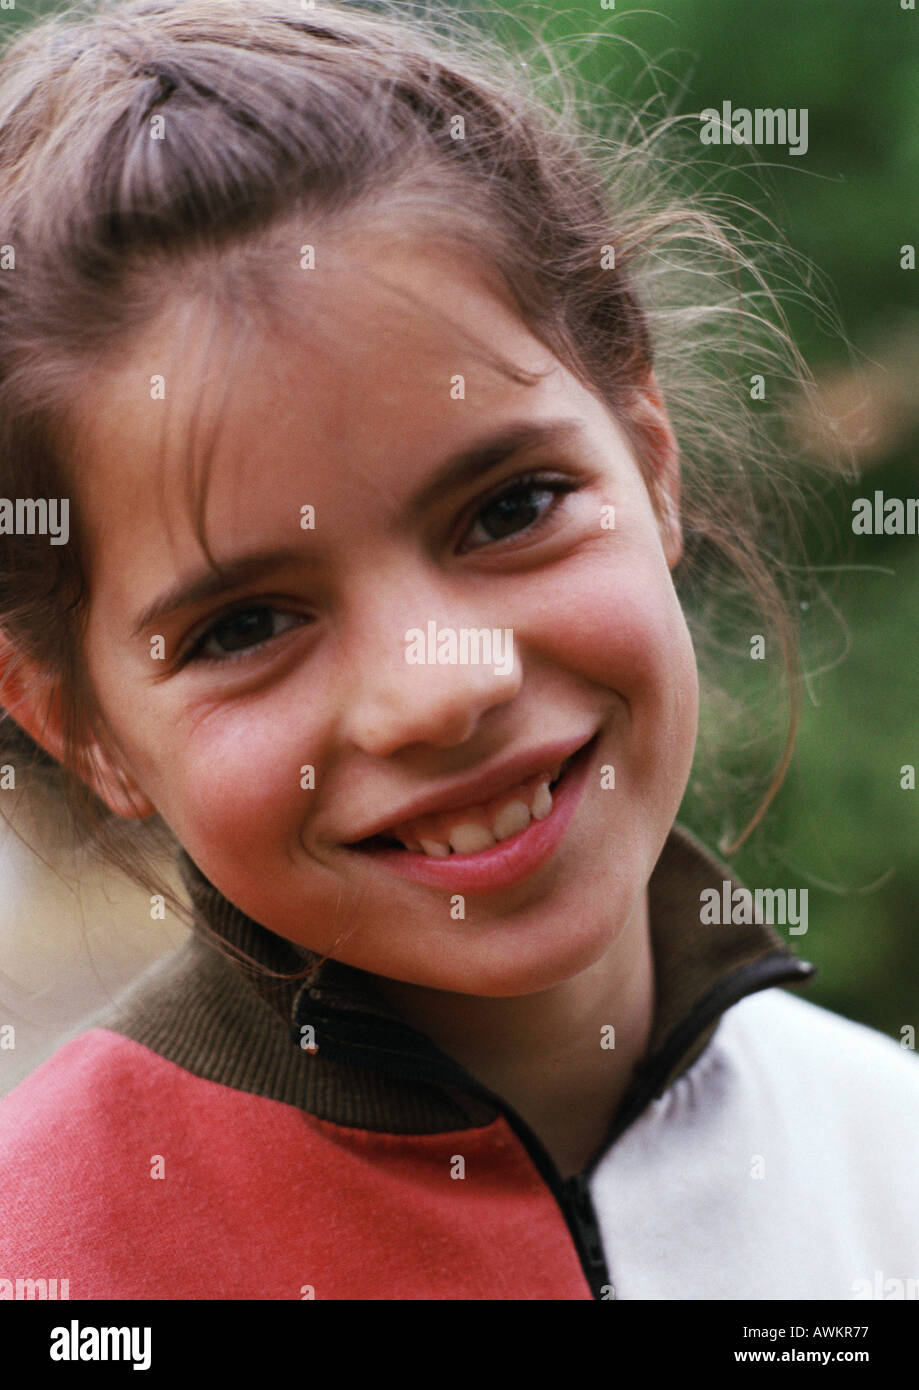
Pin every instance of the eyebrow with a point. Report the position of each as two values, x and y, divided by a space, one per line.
480 458
186 593
460 469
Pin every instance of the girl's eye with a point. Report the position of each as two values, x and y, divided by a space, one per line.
520 507
239 633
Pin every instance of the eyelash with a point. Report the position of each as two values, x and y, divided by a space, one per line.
195 654
527 483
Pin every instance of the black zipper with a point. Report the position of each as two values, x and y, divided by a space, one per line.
576 1193
389 1045
412 1056
574 1201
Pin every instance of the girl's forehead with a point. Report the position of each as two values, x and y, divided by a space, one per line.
372 361
376 310
346 402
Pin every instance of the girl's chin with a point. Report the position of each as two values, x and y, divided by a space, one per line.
506 969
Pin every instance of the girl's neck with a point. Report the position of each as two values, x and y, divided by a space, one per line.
549 1054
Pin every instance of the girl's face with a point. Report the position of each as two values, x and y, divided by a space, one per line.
399 440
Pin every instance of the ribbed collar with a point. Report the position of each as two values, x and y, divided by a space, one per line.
701 970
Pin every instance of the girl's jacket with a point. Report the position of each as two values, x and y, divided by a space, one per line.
226 1134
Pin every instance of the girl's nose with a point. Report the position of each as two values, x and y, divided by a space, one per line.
402 696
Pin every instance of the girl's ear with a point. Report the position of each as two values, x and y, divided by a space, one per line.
33 700
661 454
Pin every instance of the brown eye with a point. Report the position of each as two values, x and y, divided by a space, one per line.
242 629
518 509
241 632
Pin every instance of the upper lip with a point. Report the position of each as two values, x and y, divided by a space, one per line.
468 791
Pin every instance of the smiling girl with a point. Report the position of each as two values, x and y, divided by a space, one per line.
329 332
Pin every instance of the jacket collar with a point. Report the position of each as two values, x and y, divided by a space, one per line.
373 1069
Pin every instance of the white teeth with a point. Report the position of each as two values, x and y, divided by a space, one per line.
471 837
435 849
542 801
468 838
511 819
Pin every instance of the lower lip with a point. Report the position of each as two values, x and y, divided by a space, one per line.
507 862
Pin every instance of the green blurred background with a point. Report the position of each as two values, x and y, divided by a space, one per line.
842 826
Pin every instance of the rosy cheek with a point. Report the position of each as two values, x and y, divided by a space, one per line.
619 632
241 779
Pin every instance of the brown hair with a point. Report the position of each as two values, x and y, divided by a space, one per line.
272 112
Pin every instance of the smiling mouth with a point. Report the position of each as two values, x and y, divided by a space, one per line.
470 830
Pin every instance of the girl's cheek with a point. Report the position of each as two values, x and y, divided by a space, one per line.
622 628
243 776
628 635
